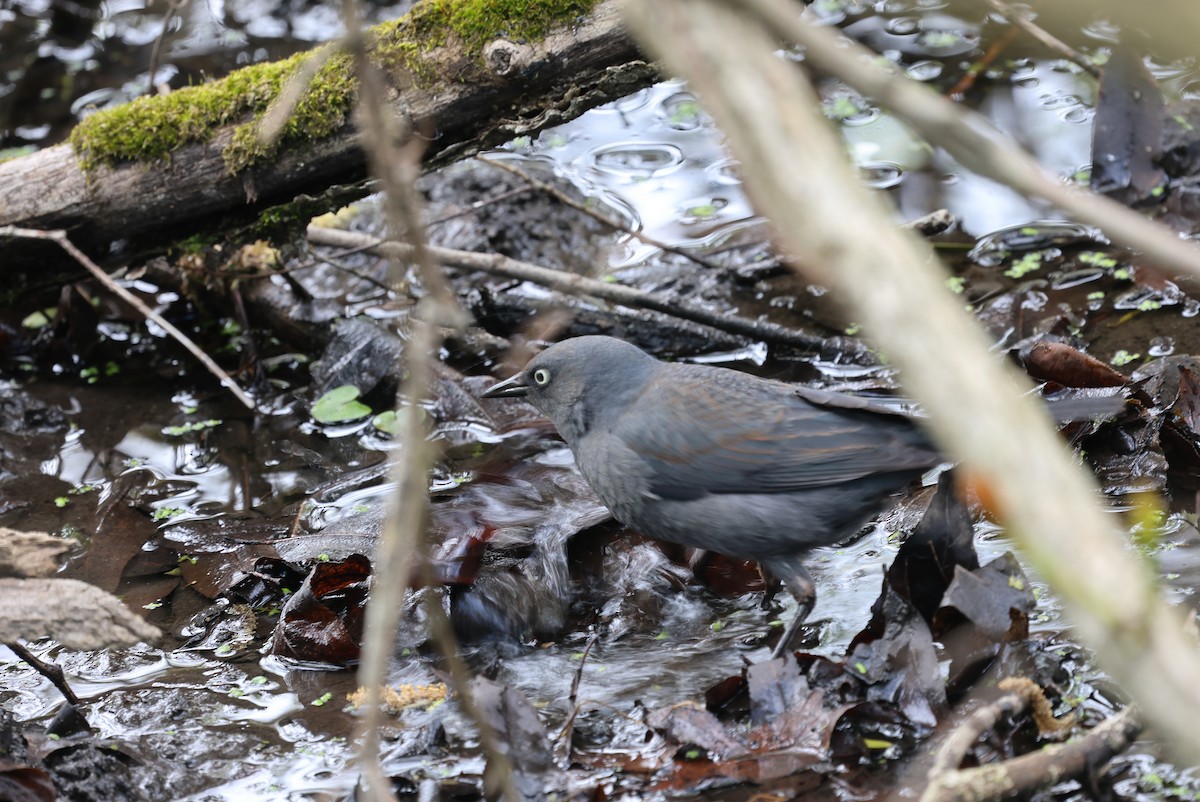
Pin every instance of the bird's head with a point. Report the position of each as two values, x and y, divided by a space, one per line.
582 383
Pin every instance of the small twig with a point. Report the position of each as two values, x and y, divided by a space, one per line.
333 262
611 222
572 284
563 739
1020 19
50 671
582 662
1049 765
480 204
270 126
928 225
125 295
173 8
971 75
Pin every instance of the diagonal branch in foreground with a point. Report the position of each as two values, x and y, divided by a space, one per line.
796 174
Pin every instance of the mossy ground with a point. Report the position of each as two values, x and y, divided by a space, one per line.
152 128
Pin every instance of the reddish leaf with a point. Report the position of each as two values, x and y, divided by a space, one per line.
25 783
323 620
1070 367
1187 406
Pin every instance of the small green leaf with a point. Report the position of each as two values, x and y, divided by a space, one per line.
1123 357
1025 265
876 743
192 426
39 319
340 405
387 422
323 699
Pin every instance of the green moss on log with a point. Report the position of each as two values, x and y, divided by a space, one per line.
150 129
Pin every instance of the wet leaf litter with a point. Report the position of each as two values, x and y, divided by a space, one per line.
534 569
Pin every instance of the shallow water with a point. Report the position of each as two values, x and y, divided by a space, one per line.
212 722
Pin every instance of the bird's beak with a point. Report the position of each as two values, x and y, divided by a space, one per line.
514 387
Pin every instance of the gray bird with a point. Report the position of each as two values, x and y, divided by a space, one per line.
717 459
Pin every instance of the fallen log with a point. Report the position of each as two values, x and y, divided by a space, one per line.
120 178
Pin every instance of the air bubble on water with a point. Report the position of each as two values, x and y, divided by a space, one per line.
1161 346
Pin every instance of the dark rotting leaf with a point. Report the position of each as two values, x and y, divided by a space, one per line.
361 354
774 686
924 566
900 665
520 735
1127 136
996 598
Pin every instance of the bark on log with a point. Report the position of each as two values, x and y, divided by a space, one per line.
532 86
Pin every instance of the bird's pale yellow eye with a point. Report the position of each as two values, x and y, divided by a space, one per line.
541 377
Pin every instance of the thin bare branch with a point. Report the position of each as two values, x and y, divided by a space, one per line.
573 284
50 671
1021 20
271 125
125 295
971 139
394 154
1047 766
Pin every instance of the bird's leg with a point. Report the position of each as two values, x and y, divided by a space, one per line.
800 583
773 584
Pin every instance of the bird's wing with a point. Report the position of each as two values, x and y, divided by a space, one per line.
699 432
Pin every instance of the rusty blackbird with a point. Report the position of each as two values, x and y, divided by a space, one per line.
718 459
